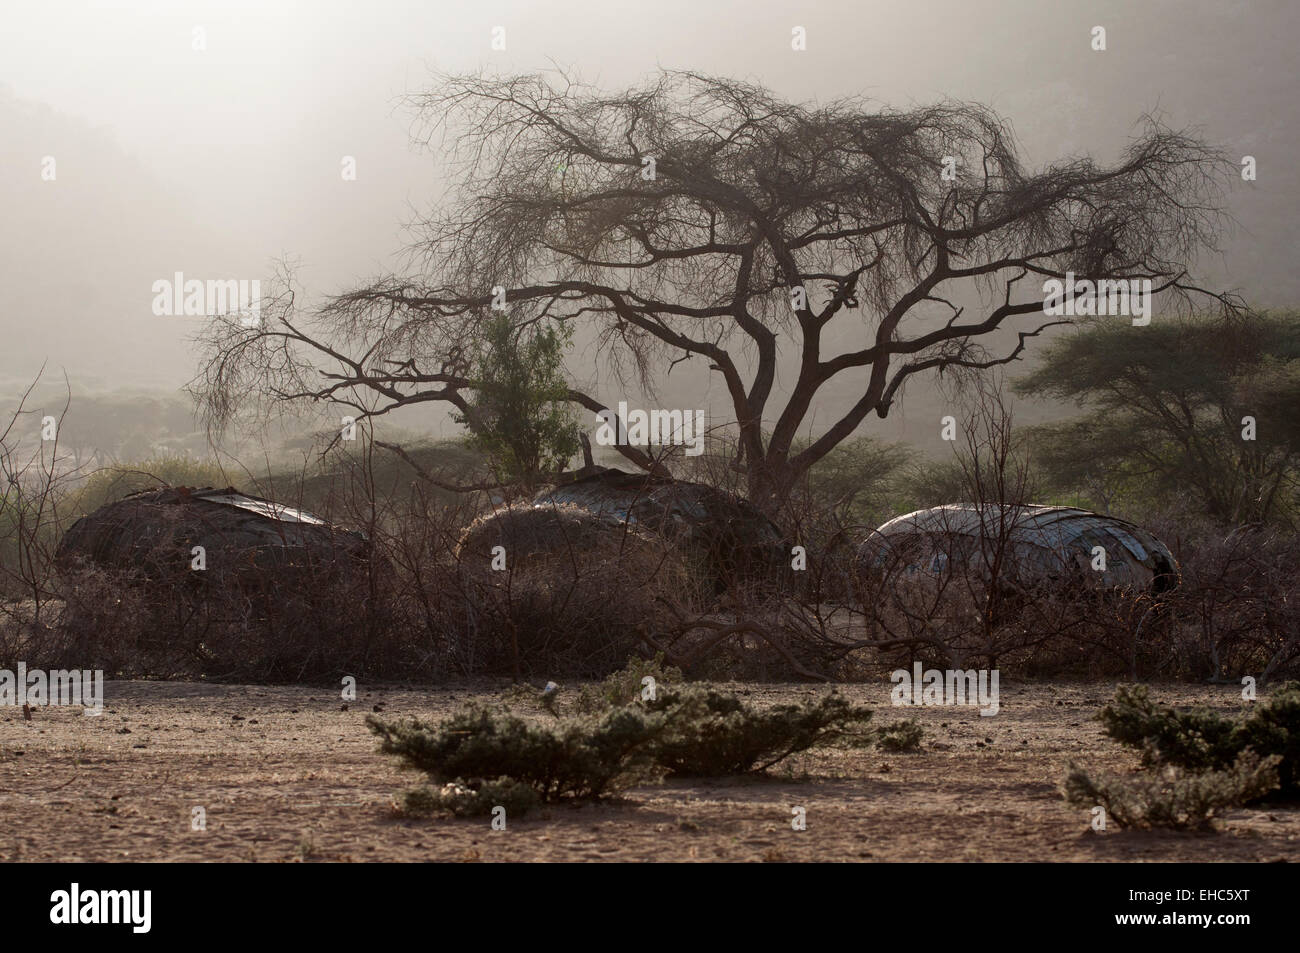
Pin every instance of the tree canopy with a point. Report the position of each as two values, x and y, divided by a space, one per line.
1206 404
703 218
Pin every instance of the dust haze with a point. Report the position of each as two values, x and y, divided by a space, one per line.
221 161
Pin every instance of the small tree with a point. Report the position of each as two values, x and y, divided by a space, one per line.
518 413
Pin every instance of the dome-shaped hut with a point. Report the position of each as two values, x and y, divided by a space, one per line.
1030 544
219 583
245 540
724 534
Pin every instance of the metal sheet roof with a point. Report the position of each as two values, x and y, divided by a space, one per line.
268 508
1059 534
1053 527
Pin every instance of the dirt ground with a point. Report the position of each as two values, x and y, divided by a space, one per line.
285 774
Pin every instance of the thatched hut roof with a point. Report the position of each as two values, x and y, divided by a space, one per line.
549 535
154 531
728 532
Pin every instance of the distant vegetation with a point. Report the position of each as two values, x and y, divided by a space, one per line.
1205 407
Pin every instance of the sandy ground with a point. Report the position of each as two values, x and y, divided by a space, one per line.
284 774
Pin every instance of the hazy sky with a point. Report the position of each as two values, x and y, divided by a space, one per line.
213 162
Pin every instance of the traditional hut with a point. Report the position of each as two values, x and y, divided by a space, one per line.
244 540
1030 544
724 534
546 535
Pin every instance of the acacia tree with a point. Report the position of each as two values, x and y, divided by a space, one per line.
1200 406
699 218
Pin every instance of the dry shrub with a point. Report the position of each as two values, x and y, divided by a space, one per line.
109 620
306 627
687 731
1237 611
1173 797
578 595
268 605
1201 739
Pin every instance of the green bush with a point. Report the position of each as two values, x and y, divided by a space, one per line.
519 413
1174 797
901 736
689 731
625 686
575 760
1203 740
471 798
711 734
